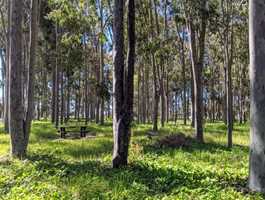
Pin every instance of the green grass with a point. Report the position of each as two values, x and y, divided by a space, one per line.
80 168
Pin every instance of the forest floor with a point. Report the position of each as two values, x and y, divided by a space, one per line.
81 168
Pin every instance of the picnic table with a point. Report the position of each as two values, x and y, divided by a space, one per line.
64 130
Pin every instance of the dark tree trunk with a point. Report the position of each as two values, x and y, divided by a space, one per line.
123 87
62 98
184 82
119 154
162 95
139 113
68 97
192 101
16 109
156 95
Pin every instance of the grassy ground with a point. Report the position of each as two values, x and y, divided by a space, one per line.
80 169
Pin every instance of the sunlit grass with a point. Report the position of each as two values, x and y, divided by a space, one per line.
81 168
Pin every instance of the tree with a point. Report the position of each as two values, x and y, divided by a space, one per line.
31 67
16 110
20 116
227 8
123 83
257 87
102 103
6 71
197 57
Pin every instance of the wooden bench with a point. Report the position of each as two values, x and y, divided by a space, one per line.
64 130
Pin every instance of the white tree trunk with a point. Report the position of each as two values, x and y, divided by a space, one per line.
257 79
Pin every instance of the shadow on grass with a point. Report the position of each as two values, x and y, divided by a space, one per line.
43 131
194 146
4 142
94 150
157 181
2 130
81 148
46 131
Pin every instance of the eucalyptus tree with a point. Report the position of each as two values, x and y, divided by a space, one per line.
29 108
257 82
227 42
123 82
5 45
15 81
197 51
20 115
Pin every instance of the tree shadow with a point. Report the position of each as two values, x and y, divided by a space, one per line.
43 131
85 151
157 181
194 146
82 148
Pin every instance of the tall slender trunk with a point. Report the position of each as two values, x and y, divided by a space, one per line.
3 72
192 96
229 107
123 83
119 155
16 109
147 99
183 63
257 87
143 91
86 92
31 68
139 114
162 95
154 67
102 102
53 103
57 81
68 97
156 95
197 66
8 49
62 97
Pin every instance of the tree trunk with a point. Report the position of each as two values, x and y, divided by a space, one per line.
123 83
197 67
102 103
162 95
192 101
156 95
57 82
8 49
16 110
3 72
183 63
62 97
229 106
31 68
119 154
257 85
53 106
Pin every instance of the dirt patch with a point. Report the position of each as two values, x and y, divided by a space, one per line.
174 141
5 160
